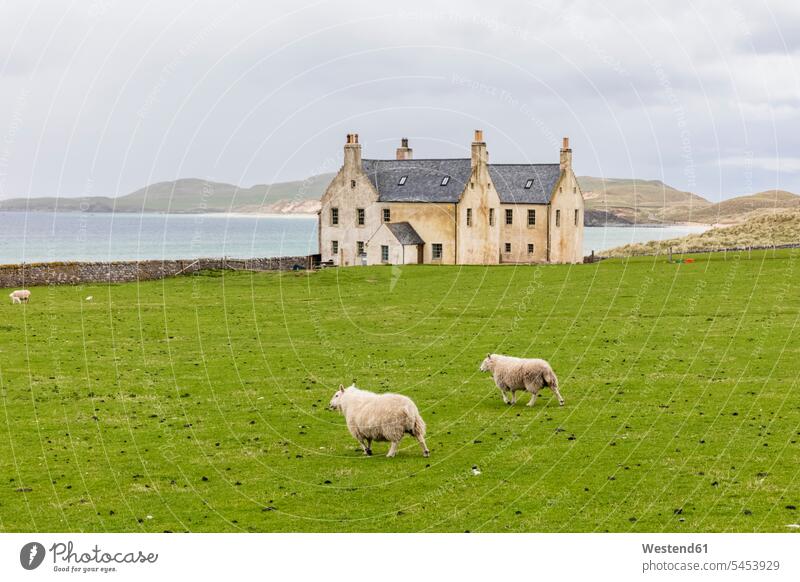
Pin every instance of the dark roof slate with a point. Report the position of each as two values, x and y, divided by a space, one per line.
510 179
424 180
405 233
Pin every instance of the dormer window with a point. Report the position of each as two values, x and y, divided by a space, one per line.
528 184
445 180
402 180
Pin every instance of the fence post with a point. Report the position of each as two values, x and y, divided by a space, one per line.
670 254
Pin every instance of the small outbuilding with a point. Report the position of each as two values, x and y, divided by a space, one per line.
395 243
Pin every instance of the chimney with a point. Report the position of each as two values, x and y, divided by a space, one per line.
352 152
404 152
479 153
565 159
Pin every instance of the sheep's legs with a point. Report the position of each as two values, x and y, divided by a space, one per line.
393 449
513 397
366 444
503 394
534 394
558 394
425 451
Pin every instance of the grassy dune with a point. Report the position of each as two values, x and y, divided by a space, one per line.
736 210
199 403
761 230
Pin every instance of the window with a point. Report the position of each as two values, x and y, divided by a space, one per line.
528 184
445 180
574 190
402 181
576 217
352 183
509 216
531 217
334 216
469 216
360 248
387 215
508 247
530 248
334 247
558 218
360 216
491 217
385 253
436 251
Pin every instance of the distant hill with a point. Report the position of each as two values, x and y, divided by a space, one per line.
735 210
627 201
192 195
609 201
772 228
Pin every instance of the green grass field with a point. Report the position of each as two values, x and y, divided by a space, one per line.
200 403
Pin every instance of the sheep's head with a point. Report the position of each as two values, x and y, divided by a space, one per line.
487 364
336 401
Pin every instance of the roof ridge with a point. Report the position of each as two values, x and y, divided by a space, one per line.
416 160
530 164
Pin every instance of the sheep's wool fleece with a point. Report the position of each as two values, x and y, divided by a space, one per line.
380 417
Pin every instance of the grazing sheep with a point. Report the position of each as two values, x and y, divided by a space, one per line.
20 296
513 374
379 417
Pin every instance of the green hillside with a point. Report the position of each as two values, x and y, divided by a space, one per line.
737 209
187 195
760 230
640 201
200 403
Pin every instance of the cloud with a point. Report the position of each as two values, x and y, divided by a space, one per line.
103 98
770 164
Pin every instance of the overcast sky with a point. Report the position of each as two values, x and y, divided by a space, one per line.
102 97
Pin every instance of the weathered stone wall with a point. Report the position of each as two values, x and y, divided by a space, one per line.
33 274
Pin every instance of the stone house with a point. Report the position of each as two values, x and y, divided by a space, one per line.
450 211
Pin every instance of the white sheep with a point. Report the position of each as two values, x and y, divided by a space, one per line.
379 417
513 374
20 296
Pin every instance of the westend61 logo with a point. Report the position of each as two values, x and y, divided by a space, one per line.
67 559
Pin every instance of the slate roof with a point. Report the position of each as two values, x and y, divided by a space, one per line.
424 180
510 179
404 233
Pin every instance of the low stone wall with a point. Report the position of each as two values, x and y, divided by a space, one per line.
33 274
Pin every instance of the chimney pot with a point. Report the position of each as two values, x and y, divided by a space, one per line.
479 153
565 145
404 152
